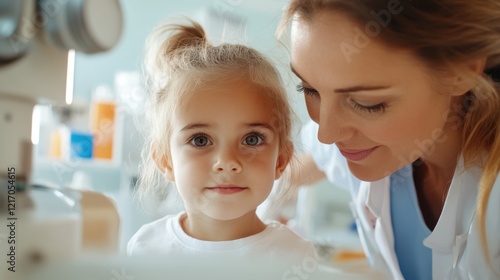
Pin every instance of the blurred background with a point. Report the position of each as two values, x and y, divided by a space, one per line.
110 85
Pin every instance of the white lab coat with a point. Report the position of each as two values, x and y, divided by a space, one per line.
455 240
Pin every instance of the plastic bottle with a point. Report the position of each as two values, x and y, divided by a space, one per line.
102 122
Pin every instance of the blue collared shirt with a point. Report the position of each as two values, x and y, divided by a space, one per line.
415 259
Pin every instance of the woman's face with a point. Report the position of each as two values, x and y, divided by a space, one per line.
379 105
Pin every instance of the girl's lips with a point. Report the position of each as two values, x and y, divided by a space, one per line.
356 155
227 189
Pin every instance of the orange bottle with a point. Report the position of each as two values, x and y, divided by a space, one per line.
55 146
102 123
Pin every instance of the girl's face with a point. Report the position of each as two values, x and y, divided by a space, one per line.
378 104
224 150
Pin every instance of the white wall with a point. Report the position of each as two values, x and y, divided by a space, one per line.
142 16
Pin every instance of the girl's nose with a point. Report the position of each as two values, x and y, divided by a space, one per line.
227 161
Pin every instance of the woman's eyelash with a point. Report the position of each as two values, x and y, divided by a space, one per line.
300 88
370 109
308 91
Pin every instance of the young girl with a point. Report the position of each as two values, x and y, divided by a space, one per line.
221 126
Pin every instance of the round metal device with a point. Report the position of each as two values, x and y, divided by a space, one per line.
88 26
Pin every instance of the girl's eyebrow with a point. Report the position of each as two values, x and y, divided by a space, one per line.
194 126
348 89
260 125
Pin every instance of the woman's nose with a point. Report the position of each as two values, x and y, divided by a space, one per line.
333 125
227 161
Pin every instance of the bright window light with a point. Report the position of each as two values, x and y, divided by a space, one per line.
70 77
35 125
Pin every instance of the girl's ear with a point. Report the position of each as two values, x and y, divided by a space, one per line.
163 164
283 160
466 81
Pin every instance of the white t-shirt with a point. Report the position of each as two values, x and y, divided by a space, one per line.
166 236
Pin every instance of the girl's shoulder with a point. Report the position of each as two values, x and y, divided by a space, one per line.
282 235
283 240
280 231
157 225
152 234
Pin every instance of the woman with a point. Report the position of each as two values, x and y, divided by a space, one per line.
408 93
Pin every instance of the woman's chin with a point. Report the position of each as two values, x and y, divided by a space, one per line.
370 173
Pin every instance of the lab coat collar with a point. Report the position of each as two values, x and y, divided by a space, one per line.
458 210
455 219
378 202
378 195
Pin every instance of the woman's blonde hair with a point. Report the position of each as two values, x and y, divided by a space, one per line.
179 59
445 34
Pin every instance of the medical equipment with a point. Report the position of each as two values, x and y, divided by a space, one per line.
37 44
38 41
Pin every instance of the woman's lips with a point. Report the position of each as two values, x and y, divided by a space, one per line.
227 189
356 155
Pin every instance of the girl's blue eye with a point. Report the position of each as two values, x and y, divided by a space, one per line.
200 141
307 91
253 140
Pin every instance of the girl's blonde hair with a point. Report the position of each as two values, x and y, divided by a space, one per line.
444 34
179 59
